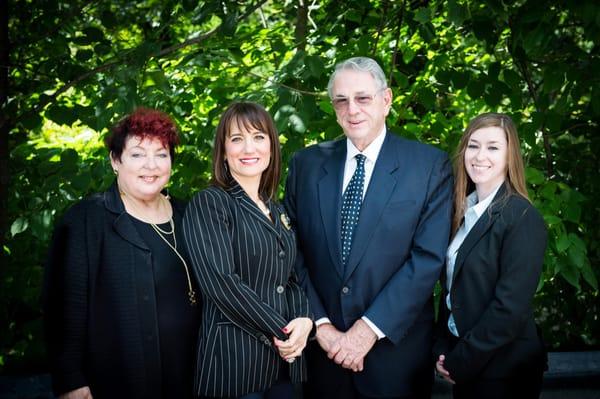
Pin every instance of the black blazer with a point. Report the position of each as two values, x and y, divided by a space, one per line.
496 274
244 266
99 303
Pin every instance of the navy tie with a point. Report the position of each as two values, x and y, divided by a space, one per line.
351 203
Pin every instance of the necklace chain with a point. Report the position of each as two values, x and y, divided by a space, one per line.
191 292
168 233
162 233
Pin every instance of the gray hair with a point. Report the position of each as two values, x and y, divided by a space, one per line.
360 64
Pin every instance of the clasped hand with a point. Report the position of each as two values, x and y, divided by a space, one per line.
297 331
350 348
441 370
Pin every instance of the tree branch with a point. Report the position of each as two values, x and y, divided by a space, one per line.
309 93
545 135
386 4
302 19
395 54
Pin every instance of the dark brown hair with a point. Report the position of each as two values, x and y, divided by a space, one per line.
143 123
249 115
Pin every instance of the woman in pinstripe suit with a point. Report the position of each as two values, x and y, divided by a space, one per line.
255 318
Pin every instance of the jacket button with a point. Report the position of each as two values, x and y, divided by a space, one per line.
265 340
280 289
345 290
282 254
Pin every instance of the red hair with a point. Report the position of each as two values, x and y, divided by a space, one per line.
144 123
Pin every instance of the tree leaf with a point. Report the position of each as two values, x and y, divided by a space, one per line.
562 243
457 13
315 65
19 226
589 276
534 176
93 34
475 88
576 256
570 274
422 15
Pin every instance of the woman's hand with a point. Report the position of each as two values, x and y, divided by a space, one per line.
297 331
79 393
439 367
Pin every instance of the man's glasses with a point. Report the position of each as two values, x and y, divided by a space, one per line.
361 100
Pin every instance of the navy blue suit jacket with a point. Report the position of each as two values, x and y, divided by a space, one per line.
396 257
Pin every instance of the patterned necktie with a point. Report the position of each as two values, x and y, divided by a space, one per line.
351 203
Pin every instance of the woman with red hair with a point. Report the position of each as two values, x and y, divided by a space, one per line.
121 313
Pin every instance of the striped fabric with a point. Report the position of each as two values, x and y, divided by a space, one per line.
244 266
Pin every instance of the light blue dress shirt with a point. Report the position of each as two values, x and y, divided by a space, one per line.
475 209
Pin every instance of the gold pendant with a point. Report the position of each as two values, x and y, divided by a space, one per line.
285 220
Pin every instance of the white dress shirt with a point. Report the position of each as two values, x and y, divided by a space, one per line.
474 211
371 153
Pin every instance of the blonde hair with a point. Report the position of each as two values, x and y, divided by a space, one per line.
515 179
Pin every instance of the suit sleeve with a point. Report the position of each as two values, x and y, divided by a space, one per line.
296 298
415 279
65 302
520 262
206 226
302 275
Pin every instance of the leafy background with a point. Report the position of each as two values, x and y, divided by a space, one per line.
70 69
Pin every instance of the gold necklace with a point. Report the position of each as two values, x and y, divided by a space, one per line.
168 233
191 293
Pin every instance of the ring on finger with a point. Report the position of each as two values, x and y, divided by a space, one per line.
291 359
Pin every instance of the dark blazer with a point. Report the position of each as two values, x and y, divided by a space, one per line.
395 260
99 303
496 274
244 266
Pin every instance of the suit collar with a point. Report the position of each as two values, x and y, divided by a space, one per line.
122 224
482 225
244 200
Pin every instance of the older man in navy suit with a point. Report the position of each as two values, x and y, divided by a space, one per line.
372 214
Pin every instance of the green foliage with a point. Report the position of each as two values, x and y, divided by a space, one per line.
78 66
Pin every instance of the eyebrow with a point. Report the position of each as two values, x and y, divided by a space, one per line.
142 148
358 93
487 142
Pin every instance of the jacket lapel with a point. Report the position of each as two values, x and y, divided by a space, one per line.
379 191
330 197
237 192
482 225
122 224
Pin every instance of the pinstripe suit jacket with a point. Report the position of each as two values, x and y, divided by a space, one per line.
244 266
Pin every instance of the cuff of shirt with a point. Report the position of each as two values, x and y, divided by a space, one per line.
322 320
373 327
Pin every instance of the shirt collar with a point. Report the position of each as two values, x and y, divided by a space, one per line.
372 150
481 206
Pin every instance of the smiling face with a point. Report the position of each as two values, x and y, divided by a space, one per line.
360 106
247 152
144 168
486 159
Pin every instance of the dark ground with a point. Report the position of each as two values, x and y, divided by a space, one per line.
571 375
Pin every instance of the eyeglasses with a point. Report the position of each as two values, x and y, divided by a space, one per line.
361 100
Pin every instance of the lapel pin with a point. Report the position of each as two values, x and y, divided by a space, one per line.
285 220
